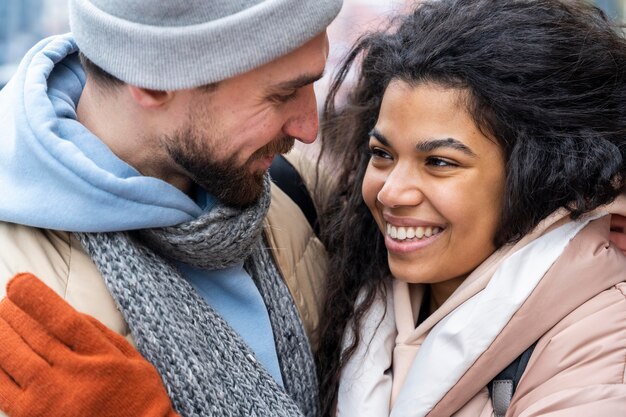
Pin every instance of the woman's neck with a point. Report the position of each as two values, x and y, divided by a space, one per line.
441 291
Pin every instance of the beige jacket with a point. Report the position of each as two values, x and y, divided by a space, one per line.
58 259
576 312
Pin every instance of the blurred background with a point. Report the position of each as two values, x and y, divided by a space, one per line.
24 22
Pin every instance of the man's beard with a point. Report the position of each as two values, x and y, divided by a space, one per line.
233 185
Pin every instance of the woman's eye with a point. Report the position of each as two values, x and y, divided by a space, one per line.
440 162
378 153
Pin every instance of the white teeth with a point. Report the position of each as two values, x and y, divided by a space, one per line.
403 233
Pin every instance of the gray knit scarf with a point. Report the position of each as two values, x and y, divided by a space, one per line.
206 367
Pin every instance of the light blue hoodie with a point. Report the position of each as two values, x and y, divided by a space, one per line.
55 174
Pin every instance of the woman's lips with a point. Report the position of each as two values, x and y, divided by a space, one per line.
403 239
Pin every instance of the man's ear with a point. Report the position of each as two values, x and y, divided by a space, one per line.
149 99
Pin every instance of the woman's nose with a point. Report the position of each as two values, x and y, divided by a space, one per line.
401 188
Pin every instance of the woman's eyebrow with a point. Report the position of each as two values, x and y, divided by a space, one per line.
379 137
430 145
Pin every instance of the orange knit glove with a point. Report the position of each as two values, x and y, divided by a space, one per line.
55 361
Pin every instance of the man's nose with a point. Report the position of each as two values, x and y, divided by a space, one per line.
303 123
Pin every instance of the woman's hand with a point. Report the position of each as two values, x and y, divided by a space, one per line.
618 231
55 361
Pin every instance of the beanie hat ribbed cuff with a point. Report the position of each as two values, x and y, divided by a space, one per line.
179 57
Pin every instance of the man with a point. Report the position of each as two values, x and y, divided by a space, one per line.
133 159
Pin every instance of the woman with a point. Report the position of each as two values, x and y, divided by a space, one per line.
479 149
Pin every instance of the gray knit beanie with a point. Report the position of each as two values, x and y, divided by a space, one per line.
177 44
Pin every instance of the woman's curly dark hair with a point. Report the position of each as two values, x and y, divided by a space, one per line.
545 78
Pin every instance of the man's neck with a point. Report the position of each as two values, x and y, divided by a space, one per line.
102 114
111 118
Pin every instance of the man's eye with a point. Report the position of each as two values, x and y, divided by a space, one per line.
284 98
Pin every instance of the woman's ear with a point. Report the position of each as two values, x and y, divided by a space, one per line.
618 232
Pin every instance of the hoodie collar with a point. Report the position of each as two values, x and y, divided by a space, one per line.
54 173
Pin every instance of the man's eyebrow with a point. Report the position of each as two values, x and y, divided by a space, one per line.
429 145
299 82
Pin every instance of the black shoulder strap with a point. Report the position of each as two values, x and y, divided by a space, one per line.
287 178
503 386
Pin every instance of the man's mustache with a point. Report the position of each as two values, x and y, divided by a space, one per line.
281 145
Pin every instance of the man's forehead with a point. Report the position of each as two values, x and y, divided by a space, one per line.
307 61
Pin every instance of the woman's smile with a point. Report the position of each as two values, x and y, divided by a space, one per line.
405 235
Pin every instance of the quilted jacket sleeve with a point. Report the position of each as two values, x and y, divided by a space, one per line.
578 368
